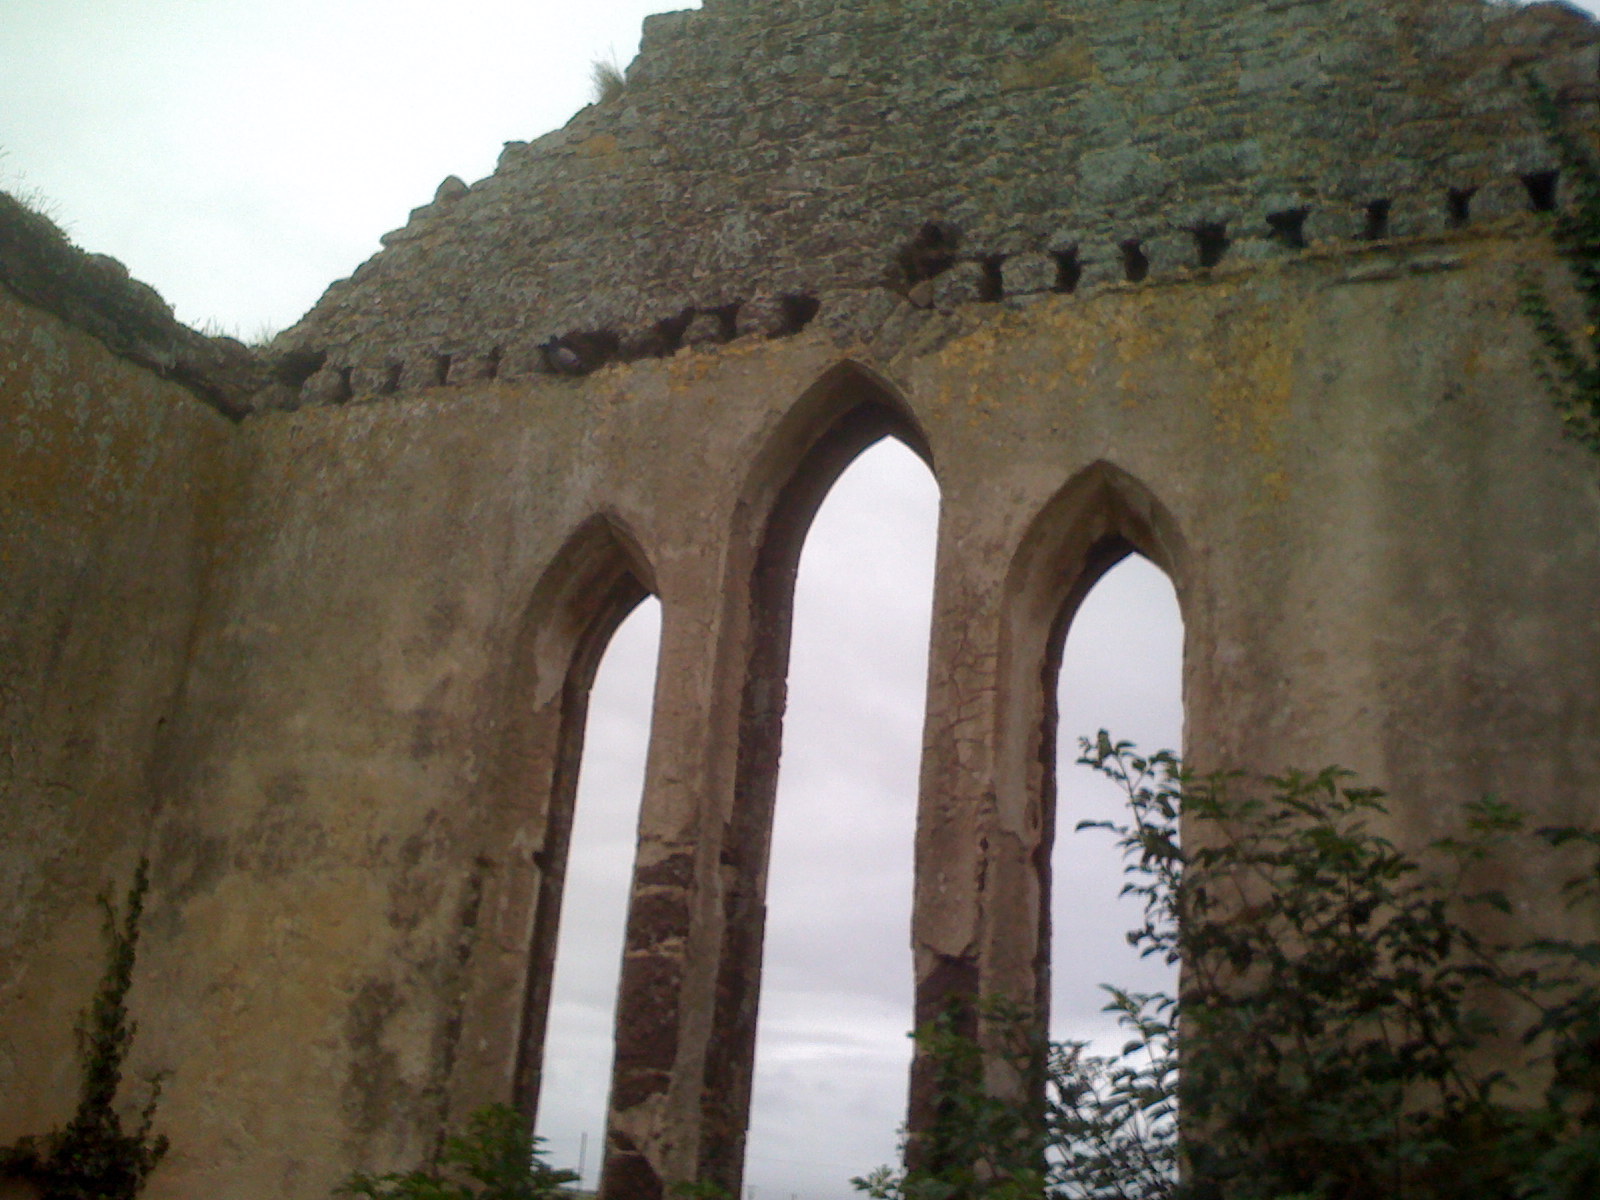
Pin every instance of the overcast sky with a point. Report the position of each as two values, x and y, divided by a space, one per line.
240 155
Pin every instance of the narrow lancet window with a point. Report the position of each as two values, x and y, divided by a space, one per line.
832 1054
1121 671
576 1068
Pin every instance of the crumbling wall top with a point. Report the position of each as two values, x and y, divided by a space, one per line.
95 293
767 160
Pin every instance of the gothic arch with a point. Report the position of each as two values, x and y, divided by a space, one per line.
1099 517
600 574
591 585
845 411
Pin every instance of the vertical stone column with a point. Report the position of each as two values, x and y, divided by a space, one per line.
1001 606
524 804
957 803
668 989
844 414
686 1023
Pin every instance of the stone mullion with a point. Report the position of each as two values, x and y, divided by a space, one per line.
493 1057
528 794
761 699
956 842
669 969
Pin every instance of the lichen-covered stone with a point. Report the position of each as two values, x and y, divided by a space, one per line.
1028 273
764 316
705 329
275 397
856 316
95 293
963 283
328 663
331 385
766 150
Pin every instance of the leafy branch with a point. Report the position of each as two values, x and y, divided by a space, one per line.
1337 1014
497 1158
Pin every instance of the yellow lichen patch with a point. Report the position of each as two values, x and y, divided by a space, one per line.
1248 357
969 363
1224 347
1275 487
975 354
1125 330
1136 336
723 363
690 367
1070 60
1077 338
598 146
79 455
88 435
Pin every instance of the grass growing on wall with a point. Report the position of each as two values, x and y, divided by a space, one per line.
606 81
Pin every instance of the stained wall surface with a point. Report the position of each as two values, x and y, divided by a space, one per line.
327 666
114 488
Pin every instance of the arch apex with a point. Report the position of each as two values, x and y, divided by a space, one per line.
849 405
1093 521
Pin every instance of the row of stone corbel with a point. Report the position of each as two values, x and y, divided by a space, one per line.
955 277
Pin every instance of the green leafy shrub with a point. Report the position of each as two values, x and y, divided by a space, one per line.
1111 1123
93 1157
1329 1028
699 1189
497 1158
980 1147
1335 1002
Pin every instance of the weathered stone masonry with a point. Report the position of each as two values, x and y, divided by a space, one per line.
1231 285
766 157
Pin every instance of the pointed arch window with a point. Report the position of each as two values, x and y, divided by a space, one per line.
846 412
1121 670
1100 518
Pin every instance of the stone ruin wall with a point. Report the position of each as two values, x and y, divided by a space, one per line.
115 491
327 666
768 164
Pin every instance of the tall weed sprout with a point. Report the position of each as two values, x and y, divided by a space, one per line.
94 1156
606 81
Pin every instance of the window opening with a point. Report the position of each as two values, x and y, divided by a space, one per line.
1288 226
832 1055
576 1073
1068 269
1135 263
1121 670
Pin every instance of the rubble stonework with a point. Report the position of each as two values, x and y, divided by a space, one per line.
762 152
95 293
1232 286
